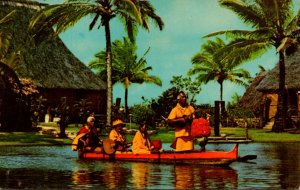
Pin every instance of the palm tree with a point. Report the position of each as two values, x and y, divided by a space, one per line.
63 16
208 65
127 68
274 25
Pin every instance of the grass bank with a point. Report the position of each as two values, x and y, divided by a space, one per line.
164 134
261 135
30 139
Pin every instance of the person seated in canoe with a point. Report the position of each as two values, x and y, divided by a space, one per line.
181 118
117 135
87 138
141 143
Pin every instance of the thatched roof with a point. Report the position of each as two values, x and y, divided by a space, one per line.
252 98
49 64
292 76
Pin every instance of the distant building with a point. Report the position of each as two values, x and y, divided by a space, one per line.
52 67
261 96
270 84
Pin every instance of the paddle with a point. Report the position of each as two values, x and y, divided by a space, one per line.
246 158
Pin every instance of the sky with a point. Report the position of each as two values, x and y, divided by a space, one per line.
171 50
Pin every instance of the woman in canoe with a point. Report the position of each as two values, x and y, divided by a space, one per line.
141 143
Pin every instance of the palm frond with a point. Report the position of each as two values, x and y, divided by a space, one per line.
294 24
249 13
59 16
241 50
23 3
148 11
230 33
123 6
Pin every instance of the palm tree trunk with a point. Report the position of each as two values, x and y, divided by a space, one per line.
221 91
109 73
126 102
281 115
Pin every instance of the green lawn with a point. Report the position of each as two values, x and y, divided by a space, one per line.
30 138
261 135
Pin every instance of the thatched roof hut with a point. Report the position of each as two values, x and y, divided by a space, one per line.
263 91
292 75
269 85
51 66
252 98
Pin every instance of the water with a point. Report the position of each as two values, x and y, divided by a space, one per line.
40 167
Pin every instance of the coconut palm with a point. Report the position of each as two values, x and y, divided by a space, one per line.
127 67
208 65
63 16
274 26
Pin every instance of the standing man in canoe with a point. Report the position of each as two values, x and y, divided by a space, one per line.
181 118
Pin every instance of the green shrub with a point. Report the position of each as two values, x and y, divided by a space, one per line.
142 112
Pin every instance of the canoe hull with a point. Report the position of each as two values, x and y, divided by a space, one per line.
171 157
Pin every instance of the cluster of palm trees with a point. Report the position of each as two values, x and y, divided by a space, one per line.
273 22
274 25
127 68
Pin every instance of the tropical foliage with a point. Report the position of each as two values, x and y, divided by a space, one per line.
274 26
141 113
163 104
127 68
191 87
212 64
235 98
65 15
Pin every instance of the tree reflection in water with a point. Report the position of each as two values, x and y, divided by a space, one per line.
111 175
187 177
115 176
140 175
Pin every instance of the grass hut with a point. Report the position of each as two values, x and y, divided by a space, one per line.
269 86
51 66
252 99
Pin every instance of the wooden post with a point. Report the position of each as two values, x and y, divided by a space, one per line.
219 109
246 129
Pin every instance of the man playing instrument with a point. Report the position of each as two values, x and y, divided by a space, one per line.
118 137
181 118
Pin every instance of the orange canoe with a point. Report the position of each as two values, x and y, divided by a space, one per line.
207 157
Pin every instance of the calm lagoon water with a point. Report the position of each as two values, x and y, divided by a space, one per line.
40 167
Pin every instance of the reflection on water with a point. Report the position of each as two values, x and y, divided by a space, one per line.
277 167
33 178
115 176
140 175
204 177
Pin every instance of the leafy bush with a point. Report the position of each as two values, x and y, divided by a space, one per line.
142 112
240 113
